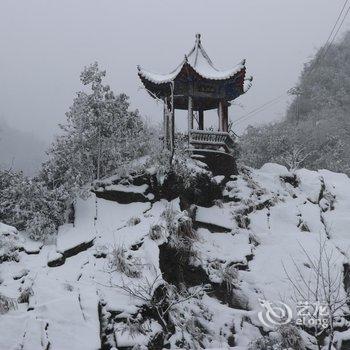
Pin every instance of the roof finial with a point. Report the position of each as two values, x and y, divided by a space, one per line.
198 37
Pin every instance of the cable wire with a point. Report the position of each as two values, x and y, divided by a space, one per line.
328 44
322 55
259 109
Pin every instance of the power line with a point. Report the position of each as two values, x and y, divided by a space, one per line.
263 109
341 24
323 53
336 22
329 42
259 109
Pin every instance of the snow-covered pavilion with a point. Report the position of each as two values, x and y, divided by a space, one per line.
197 86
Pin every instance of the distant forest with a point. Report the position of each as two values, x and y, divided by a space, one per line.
315 132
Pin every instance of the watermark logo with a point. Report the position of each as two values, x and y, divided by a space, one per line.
274 313
314 314
307 314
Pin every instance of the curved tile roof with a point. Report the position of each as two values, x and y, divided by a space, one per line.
199 61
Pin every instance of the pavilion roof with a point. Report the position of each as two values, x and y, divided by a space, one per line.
200 62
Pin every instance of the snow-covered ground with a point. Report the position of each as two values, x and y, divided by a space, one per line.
261 227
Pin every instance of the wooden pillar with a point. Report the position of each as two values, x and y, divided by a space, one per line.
220 115
172 131
190 118
190 114
201 119
225 118
166 123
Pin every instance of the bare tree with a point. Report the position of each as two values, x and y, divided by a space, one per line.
160 297
294 157
321 292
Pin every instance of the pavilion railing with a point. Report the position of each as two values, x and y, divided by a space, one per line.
212 140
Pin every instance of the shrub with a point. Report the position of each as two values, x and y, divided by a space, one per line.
265 343
178 223
133 327
28 204
25 294
223 274
178 252
126 264
8 248
185 227
230 276
291 337
156 232
40 226
286 337
181 232
7 304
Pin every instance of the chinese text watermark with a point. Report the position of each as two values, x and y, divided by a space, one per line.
309 314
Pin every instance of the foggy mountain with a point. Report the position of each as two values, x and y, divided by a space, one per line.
20 150
315 132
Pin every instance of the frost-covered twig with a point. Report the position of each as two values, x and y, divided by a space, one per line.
324 286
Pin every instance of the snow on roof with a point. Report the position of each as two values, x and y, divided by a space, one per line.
247 84
160 78
199 60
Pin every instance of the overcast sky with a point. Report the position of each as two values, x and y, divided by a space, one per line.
45 43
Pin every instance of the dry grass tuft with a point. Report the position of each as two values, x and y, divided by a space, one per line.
7 304
126 264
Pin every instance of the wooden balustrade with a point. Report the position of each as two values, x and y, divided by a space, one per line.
212 140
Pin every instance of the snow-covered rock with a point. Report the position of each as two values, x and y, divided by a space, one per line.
7 230
81 295
216 217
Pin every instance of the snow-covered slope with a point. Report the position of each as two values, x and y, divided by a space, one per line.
95 288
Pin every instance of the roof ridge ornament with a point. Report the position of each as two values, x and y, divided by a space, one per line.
197 47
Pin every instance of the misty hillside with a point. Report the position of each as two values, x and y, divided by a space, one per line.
146 264
20 150
316 130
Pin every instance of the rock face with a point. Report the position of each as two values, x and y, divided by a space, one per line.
173 263
219 163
